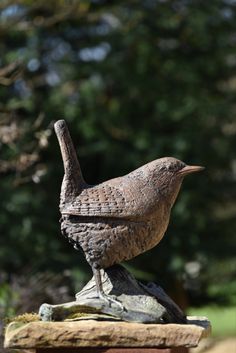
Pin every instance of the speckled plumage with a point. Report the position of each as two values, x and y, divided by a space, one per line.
122 217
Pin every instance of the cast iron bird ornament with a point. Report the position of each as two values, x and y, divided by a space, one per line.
120 218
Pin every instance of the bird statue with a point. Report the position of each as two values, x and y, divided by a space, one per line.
120 218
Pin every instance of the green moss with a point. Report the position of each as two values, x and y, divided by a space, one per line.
77 315
24 318
86 309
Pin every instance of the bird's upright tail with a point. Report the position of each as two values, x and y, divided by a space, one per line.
73 181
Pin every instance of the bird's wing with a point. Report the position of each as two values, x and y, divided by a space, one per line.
102 201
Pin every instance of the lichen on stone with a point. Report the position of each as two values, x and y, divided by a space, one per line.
25 318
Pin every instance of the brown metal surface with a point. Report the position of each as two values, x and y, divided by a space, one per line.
122 217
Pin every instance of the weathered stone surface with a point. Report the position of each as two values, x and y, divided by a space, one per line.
138 302
91 333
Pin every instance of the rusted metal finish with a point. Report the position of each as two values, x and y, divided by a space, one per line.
122 217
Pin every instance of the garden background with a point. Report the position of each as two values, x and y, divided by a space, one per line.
135 81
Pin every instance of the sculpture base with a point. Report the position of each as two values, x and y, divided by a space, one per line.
91 336
114 350
138 302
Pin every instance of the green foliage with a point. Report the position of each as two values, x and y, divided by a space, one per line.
7 298
135 81
223 320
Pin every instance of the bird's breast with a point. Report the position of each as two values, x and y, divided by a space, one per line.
158 223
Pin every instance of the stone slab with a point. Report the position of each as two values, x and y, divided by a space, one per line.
91 333
111 350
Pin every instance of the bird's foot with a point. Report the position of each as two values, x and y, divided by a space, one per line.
108 299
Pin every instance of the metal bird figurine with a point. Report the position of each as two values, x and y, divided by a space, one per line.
120 218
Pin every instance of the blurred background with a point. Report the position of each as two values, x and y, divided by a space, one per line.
135 81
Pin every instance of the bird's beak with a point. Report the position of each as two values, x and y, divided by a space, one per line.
190 169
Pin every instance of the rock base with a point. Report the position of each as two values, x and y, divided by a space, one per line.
132 302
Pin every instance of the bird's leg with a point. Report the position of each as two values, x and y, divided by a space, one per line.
98 282
100 291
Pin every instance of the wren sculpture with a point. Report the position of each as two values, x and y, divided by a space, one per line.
120 218
113 222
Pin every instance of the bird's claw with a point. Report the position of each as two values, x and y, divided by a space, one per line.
110 300
106 298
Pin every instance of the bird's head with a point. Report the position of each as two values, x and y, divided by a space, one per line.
168 173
